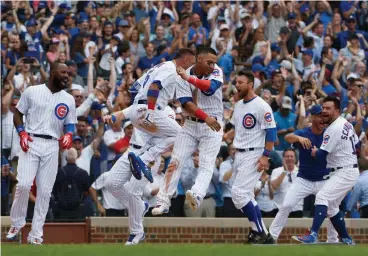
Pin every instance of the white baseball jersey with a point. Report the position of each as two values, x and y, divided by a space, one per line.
46 112
250 119
164 75
339 140
210 101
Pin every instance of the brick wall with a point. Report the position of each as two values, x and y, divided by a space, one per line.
205 234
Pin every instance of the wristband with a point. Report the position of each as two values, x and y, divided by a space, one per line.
266 152
200 114
113 118
19 128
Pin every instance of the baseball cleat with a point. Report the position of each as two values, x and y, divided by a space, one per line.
347 241
134 166
193 200
13 232
160 209
146 170
255 237
269 239
135 239
146 208
307 239
35 241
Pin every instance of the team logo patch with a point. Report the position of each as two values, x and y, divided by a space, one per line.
61 110
326 139
249 121
216 72
268 117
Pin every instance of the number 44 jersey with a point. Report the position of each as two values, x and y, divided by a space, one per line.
339 140
165 76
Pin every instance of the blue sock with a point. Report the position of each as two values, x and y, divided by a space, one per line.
320 214
250 211
259 217
339 224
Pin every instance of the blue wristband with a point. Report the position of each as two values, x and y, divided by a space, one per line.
266 152
113 118
19 128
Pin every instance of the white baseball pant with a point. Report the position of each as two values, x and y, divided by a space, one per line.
167 129
299 189
335 189
245 177
40 162
193 135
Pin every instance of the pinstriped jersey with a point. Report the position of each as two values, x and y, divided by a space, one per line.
209 102
163 74
339 141
250 120
45 112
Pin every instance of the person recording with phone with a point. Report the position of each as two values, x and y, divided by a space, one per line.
27 67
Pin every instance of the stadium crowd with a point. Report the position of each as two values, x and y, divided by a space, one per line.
298 51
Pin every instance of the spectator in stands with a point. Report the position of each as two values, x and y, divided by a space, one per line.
7 176
72 182
359 195
264 194
73 68
281 180
110 138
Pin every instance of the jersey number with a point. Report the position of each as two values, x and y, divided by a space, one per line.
352 144
149 72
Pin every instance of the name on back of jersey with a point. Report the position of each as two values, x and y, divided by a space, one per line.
345 131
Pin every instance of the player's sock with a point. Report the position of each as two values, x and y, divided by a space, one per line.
260 220
339 224
320 214
250 211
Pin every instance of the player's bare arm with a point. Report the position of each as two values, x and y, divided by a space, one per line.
193 110
292 138
93 194
23 135
229 136
99 135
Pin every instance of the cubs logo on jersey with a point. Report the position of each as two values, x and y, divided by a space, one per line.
216 72
326 139
249 121
61 110
268 117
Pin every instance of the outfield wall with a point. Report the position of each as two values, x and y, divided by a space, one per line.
176 230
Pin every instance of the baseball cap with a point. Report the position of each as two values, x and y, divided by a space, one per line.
224 26
258 68
31 23
257 59
116 38
70 63
96 106
82 19
316 110
291 16
129 13
286 102
308 52
286 64
59 31
244 15
126 124
123 23
351 18
275 47
352 75
76 137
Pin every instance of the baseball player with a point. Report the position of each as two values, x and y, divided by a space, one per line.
120 183
312 173
339 147
47 109
200 131
254 136
155 89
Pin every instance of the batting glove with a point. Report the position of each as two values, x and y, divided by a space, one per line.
148 119
24 138
66 141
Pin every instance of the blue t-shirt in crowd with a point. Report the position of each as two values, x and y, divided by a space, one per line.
226 62
82 66
325 18
13 56
311 168
329 89
284 122
146 63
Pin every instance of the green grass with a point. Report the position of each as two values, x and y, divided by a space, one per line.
180 249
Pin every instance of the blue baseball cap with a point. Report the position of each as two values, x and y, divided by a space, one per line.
258 68
308 52
291 16
123 23
351 18
96 106
257 59
275 47
316 110
76 137
59 31
31 23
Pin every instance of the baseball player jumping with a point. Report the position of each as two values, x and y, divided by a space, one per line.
200 131
47 109
312 173
339 147
155 89
254 136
